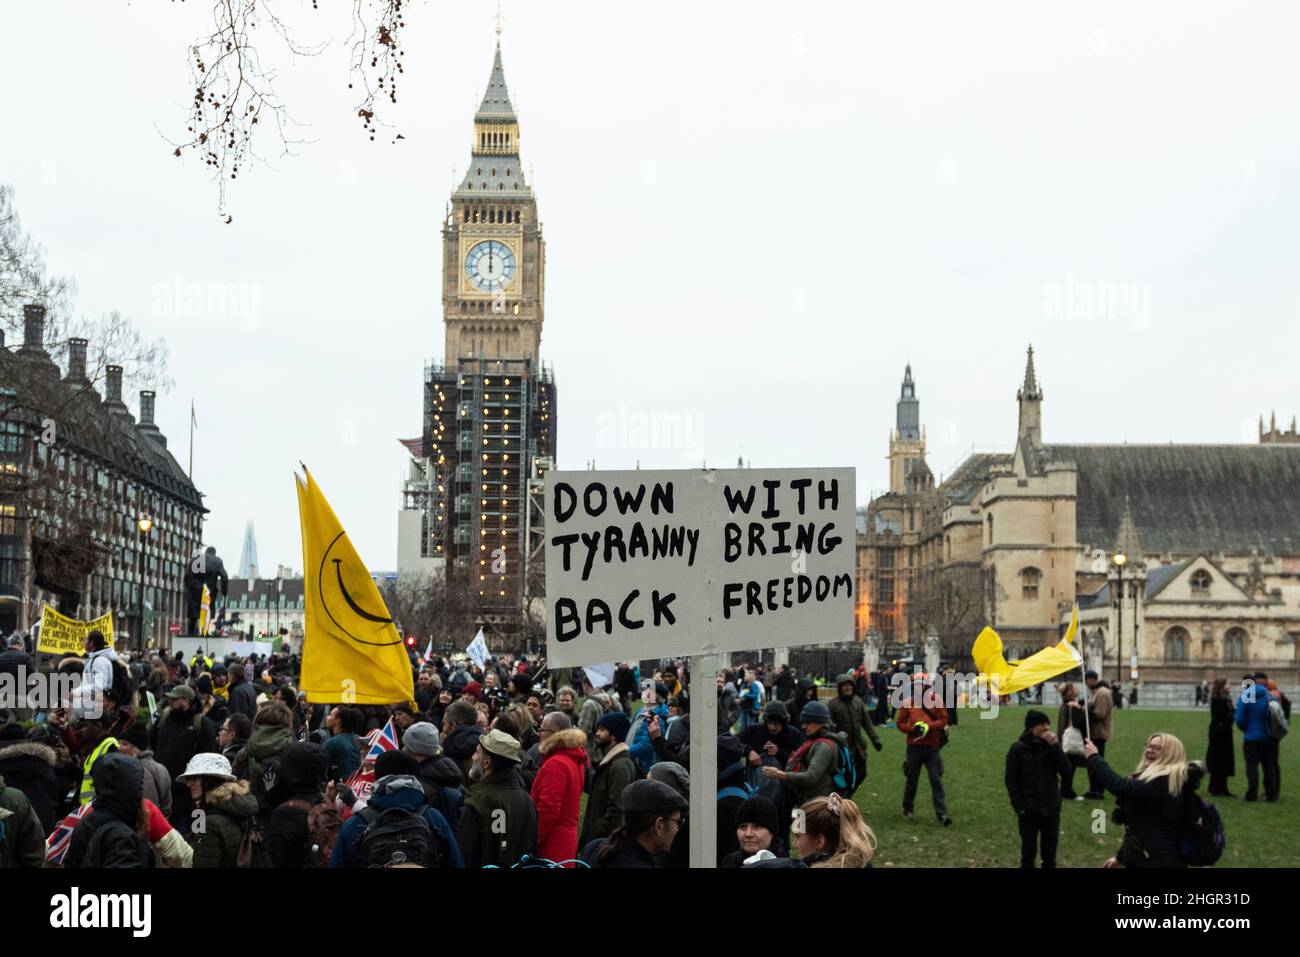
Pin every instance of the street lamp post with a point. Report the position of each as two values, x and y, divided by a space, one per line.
279 600
144 523
1120 561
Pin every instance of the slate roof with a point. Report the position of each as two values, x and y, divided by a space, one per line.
91 426
1157 579
496 98
1189 498
962 484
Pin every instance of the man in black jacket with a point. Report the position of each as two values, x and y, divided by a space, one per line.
181 733
302 782
243 696
1036 766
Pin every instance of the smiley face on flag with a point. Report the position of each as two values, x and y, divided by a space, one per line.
339 566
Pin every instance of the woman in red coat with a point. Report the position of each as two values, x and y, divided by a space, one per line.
557 789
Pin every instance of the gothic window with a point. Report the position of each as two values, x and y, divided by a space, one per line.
990 522
1029 584
1176 642
494 170
1201 582
1234 645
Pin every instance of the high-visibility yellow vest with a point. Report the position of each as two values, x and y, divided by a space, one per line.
87 782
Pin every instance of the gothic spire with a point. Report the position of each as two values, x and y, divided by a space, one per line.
1030 389
1126 539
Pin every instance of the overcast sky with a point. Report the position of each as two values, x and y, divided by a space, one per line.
755 215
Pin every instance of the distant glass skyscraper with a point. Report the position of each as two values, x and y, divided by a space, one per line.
248 558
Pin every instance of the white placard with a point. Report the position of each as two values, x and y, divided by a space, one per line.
686 562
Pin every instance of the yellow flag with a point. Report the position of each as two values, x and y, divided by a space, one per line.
1038 667
351 652
205 609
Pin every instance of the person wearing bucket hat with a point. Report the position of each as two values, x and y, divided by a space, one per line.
228 807
615 770
497 799
812 767
653 813
851 718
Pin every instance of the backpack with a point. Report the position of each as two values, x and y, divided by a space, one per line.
845 777
397 836
323 824
744 793
252 847
1277 722
1203 839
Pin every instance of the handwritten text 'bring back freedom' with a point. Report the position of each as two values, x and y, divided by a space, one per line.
766 532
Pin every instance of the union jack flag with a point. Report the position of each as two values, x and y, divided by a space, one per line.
57 844
381 741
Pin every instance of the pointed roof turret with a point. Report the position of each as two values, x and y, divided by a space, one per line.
1126 539
908 418
496 98
1030 389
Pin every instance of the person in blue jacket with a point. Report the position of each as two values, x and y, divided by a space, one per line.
639 744
1252 718
397 786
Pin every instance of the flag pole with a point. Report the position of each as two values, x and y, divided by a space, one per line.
191 471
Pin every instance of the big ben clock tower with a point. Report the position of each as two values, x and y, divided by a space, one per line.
493 252
474 501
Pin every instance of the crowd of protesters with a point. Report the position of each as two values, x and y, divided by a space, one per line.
489 766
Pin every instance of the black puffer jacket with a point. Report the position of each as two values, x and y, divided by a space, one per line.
303 767
118 812
443 788
29 767
1033 775
1152 817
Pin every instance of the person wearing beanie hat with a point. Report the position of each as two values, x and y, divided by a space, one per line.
653 814
732 792
395 762
157 782
757 826
812 767
923 719
472 692
851 718
615 770
1036 768
395 800
439 774
770 742
497 799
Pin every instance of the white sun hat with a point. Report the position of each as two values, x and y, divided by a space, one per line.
207 766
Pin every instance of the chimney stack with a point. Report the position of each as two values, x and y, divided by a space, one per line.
33 328
146 423
113 385
77 361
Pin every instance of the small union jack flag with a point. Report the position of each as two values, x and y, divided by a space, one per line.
57 844
381 741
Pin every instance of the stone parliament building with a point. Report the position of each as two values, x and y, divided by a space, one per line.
1184 559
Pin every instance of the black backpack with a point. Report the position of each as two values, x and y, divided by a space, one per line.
397 836
1203 839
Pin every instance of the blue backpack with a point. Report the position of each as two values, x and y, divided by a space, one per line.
845 777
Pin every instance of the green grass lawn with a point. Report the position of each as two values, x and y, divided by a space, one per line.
984 830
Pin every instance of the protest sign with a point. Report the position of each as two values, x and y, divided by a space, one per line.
670 563
61 635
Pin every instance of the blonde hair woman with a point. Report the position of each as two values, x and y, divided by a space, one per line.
1151 802
833 834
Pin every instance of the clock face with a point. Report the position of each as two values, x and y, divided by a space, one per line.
490 265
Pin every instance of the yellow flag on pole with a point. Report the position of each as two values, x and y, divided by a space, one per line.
351 652
205 609
1040 666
